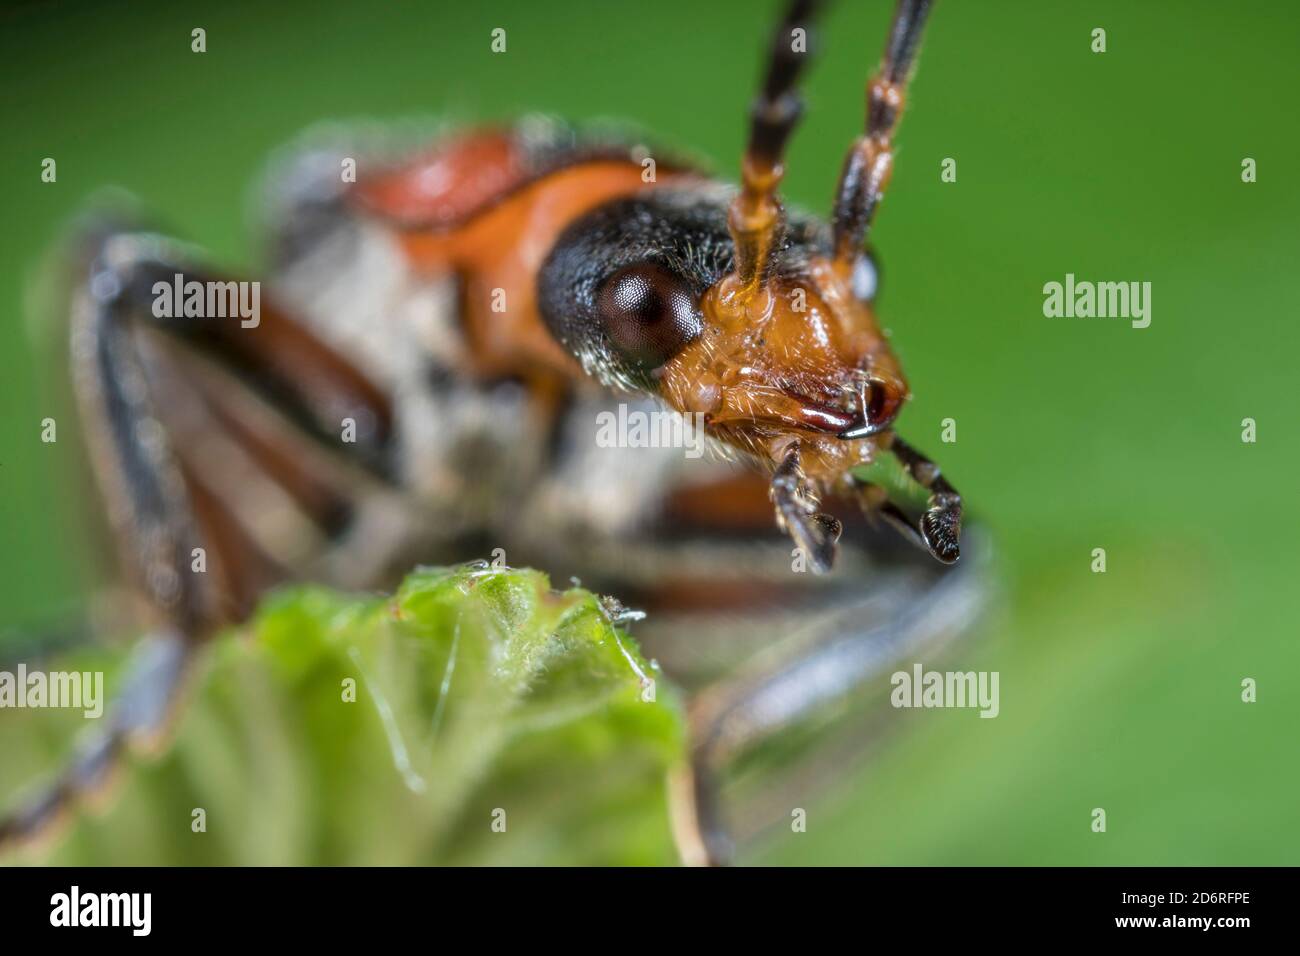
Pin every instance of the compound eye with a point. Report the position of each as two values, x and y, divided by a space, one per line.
649 313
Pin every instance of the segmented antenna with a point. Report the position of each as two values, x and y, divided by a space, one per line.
871 158
755 218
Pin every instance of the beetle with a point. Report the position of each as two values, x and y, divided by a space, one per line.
420 382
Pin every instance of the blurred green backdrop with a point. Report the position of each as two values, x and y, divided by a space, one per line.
1119 690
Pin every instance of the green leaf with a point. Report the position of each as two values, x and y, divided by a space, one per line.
474 717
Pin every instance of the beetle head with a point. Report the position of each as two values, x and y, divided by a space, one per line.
643 292
759 321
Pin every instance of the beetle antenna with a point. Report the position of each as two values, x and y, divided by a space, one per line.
871 158
755 218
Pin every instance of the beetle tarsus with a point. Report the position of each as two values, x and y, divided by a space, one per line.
940 527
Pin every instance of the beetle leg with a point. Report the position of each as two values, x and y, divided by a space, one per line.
133 400
940 525
939 528
814 532
161 504
875 502
137 722
795 680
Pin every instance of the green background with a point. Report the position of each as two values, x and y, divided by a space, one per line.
1119 690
